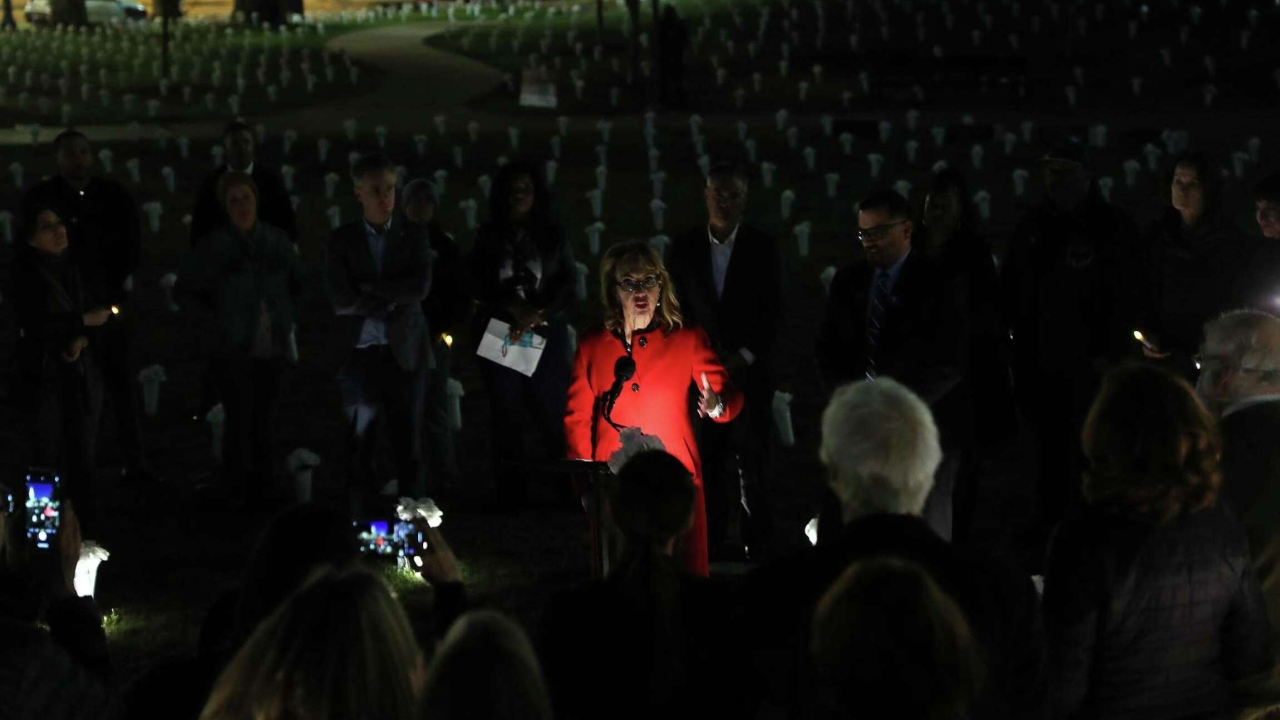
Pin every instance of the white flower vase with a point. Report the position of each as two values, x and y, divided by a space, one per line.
454 392
826 277
593 236
802 231
86 578
580 281
782 418
660 243
167 283
217 419
301 464
151 378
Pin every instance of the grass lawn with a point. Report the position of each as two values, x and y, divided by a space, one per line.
111 74
829 55
171 557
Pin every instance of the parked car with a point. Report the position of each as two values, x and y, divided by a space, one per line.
96 11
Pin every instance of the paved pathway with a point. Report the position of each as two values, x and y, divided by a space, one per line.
417 81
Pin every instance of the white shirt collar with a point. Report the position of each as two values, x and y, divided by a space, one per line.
732 236
1249 402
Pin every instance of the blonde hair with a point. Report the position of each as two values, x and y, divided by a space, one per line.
641 256
485 668
886 634
340 647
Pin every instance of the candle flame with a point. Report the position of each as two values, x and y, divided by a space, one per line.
1137 335
115 310
448 340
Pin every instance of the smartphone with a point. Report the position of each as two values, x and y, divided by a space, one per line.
43 507
388 539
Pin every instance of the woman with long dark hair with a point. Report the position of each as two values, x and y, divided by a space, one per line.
648 632
523 272
1151 605
1198 265
55 378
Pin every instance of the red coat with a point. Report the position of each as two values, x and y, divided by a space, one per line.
656 400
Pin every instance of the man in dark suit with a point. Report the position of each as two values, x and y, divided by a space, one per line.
895 313
1240 381
105 235
275 207
1068 299
379 272
728 278
881 451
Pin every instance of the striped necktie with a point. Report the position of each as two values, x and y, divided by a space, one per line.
875 318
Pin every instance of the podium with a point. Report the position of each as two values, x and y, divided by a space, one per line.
598 481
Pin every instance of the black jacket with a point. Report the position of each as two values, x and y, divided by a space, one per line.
1151 621
103 229
749 314
1068 295
49 297
555 291
777 603
405 280
449 303
1192 276
275 207
232 275
1251 487
923 341
988 378
62 674
596 652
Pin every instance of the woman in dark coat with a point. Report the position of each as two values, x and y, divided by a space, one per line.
1198 264
246 275
55 378
523 273
1151 606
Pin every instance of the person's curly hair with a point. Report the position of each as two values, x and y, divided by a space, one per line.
1152 446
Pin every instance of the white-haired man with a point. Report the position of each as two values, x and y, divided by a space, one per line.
1240 381
880 448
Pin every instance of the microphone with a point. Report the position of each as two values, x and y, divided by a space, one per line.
623 370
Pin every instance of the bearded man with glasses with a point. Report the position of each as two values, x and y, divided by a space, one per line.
897 313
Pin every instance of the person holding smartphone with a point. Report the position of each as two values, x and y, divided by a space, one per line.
56 380
64 670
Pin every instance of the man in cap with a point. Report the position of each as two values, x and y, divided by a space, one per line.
1068 292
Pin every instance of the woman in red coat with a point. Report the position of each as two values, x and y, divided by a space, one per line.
642 320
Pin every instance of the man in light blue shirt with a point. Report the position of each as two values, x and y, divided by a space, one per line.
379 272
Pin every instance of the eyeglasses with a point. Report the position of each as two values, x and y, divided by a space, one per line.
878 232
634 286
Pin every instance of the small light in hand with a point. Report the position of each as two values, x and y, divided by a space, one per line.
115 310
417 560
448 340
1137 335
